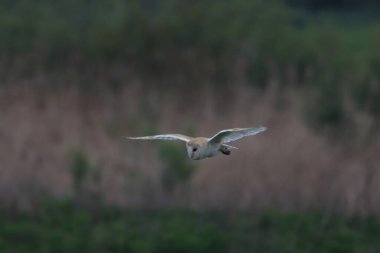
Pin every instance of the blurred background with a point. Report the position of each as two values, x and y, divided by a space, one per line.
77 76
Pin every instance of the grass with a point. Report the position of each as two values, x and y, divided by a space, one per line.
59 226
140 66
61 148
196 42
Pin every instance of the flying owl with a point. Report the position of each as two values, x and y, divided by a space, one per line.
200 147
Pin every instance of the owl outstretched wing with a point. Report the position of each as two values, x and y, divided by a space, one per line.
235 134
170 137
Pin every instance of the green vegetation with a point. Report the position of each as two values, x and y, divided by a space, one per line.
80 168
85 178
62 227
158 38
162 31
177 168
166 45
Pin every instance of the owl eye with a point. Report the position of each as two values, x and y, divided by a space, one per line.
195 149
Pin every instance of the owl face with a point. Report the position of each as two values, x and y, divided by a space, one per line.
193 151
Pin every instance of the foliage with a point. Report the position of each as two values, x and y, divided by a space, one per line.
86 179
80 168
59 226
177 168
202 40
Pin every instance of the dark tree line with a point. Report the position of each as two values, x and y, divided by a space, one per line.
335 4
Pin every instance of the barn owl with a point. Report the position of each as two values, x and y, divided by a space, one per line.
200 147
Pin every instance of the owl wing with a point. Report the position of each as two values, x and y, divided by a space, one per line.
170 137
235 134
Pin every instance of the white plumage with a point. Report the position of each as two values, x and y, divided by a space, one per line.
200 147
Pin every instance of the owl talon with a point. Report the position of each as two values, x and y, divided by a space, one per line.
226 152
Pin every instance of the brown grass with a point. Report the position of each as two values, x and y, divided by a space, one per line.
287 167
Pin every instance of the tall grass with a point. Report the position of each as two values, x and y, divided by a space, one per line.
290 167
83 74
206 43
59 226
